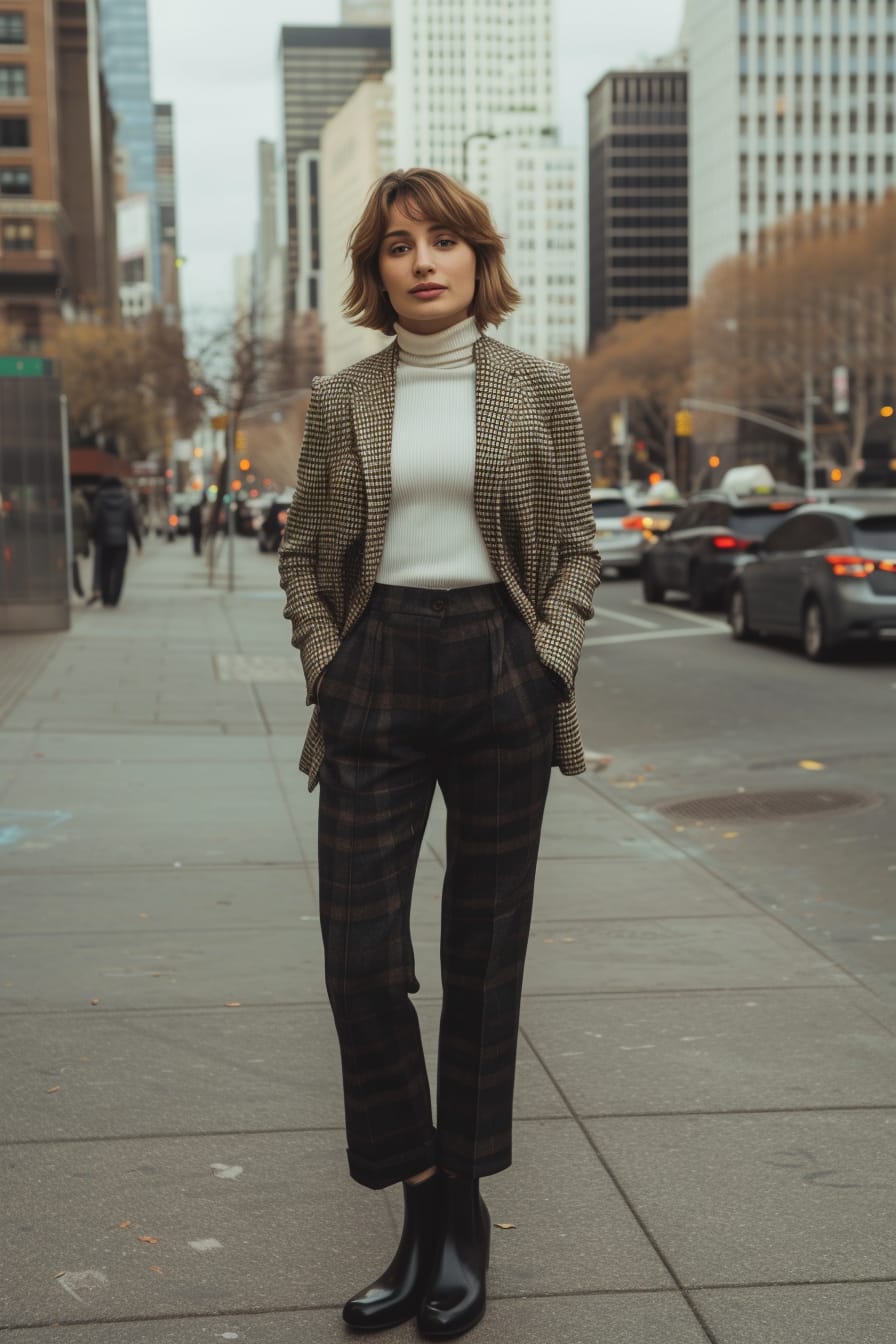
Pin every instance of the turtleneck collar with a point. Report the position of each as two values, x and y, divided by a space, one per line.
447 349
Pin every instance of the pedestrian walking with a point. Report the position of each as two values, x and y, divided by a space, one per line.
194 518
80 535
438 568
114 521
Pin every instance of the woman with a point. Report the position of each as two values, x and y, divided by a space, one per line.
438 567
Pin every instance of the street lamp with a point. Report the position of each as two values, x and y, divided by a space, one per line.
474 135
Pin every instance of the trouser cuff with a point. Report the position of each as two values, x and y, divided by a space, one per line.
389 1170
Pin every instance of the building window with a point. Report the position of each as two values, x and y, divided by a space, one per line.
15 181
18 235
13 81
12 27
14 133
24 320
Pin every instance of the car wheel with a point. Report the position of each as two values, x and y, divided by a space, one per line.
652 588
697 600
737 615
816 644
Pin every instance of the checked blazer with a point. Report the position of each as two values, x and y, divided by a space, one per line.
532 503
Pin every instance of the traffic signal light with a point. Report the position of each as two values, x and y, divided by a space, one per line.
684 424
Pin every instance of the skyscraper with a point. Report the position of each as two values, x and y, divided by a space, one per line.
319 68
791 106
166 183
126 66
638 194
474 97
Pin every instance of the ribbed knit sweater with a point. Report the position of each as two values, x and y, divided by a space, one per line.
432 537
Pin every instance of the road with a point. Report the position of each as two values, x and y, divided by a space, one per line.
685 711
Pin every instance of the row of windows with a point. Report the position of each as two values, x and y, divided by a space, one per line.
851 162
644 243
648 202
820 85
662 141
650 221
853 122
649 281
649 89
668 161
650 116
648 183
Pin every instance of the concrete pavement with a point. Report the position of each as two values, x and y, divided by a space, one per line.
706 1104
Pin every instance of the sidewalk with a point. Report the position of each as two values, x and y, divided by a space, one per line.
706 1106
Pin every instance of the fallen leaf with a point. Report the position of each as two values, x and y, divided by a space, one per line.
731 835
57 1088
143 916
152 1241
94 1002
61 1275
548 940
235 1003
84 1059
812 765
567 940
124 1224
504 1226
156 1269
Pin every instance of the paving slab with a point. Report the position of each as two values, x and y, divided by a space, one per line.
174 899
653 954
293 1229
761 1199
608 1318
196 1072
806 1314
660 1053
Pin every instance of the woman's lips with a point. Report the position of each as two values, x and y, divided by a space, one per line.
428 292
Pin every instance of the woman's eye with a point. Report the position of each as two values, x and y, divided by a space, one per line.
397 249
449 241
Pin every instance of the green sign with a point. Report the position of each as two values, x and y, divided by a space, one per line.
14 366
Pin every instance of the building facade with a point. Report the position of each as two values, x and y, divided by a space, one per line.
637 195
318 69
268 273
791 107
367 11
166 193
474 97
356 147
57 201
126 66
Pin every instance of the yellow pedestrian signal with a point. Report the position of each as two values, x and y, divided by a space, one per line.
239 442
684 424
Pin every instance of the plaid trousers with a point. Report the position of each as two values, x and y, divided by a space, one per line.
431 687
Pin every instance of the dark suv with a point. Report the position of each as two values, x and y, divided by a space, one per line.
709 539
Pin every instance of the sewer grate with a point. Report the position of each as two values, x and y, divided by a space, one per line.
767 805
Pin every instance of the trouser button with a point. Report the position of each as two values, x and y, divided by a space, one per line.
439 604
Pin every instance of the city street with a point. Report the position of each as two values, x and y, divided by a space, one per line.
706 1090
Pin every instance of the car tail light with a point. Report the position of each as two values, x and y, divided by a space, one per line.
173 520
858 566
730 544
634 523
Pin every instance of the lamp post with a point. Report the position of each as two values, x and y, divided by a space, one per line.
474 135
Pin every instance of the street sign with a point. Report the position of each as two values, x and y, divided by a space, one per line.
220 421
684 424
12 366
617 430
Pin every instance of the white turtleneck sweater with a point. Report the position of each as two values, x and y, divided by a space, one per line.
432 537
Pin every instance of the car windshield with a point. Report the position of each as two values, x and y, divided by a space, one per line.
755 523
609 508
661 508
878 534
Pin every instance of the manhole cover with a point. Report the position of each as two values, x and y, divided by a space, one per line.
767 805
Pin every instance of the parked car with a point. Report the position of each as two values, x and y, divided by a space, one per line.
709 538
619 546
826 575
270 533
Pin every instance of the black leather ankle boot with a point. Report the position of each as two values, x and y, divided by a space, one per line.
454 1300
397 1294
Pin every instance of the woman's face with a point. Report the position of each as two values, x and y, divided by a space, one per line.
428 271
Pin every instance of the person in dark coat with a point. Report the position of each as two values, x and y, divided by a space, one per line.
80 535
194 516
114 521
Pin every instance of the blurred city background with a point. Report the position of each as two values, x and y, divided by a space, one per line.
704 231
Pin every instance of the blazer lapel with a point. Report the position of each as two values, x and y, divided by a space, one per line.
373 412
498 400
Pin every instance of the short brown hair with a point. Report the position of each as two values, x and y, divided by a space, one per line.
426 194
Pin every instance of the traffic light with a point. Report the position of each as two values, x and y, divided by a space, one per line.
245 464
684 424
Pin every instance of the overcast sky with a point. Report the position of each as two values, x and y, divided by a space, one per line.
216 63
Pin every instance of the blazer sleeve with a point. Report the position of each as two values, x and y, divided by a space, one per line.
314 633
568 602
